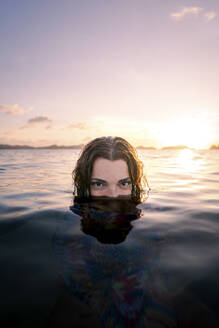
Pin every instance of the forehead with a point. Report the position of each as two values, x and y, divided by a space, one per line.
110 170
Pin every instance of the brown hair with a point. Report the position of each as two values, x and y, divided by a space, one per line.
111 148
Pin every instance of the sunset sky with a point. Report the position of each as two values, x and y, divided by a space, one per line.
146 70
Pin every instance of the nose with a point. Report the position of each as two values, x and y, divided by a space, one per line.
113 191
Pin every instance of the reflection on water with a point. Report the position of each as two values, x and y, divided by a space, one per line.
107 219
188 161
110 264
187 165
113 272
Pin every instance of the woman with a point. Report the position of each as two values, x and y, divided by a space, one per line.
107 272
109 166
108 180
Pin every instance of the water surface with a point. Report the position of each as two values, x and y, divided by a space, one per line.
179 224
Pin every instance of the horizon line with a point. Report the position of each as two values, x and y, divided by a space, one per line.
78 146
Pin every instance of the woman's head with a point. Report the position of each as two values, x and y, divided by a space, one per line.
108 166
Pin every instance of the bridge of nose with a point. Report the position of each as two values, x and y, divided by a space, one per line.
113 190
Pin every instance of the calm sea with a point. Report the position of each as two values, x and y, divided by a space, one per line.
181 216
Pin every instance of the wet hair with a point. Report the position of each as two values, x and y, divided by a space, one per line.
111 148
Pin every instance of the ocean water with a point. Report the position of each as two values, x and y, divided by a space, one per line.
164 273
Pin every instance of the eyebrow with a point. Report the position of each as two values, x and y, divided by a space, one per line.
96 179
101 180
125 179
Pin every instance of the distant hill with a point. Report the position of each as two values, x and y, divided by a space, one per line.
175 147
147 148
4 146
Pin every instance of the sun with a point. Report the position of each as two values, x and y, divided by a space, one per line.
191 132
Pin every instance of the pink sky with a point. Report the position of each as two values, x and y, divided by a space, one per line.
74 70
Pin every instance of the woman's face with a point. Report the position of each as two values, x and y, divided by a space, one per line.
110 178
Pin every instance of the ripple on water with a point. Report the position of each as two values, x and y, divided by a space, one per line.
4 209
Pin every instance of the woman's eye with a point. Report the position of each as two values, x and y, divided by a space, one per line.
96 184
125 183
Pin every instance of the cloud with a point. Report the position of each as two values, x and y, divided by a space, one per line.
36 121
193 11
13 110
185 12
39 119
210 15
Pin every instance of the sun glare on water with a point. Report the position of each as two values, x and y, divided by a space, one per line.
191 132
